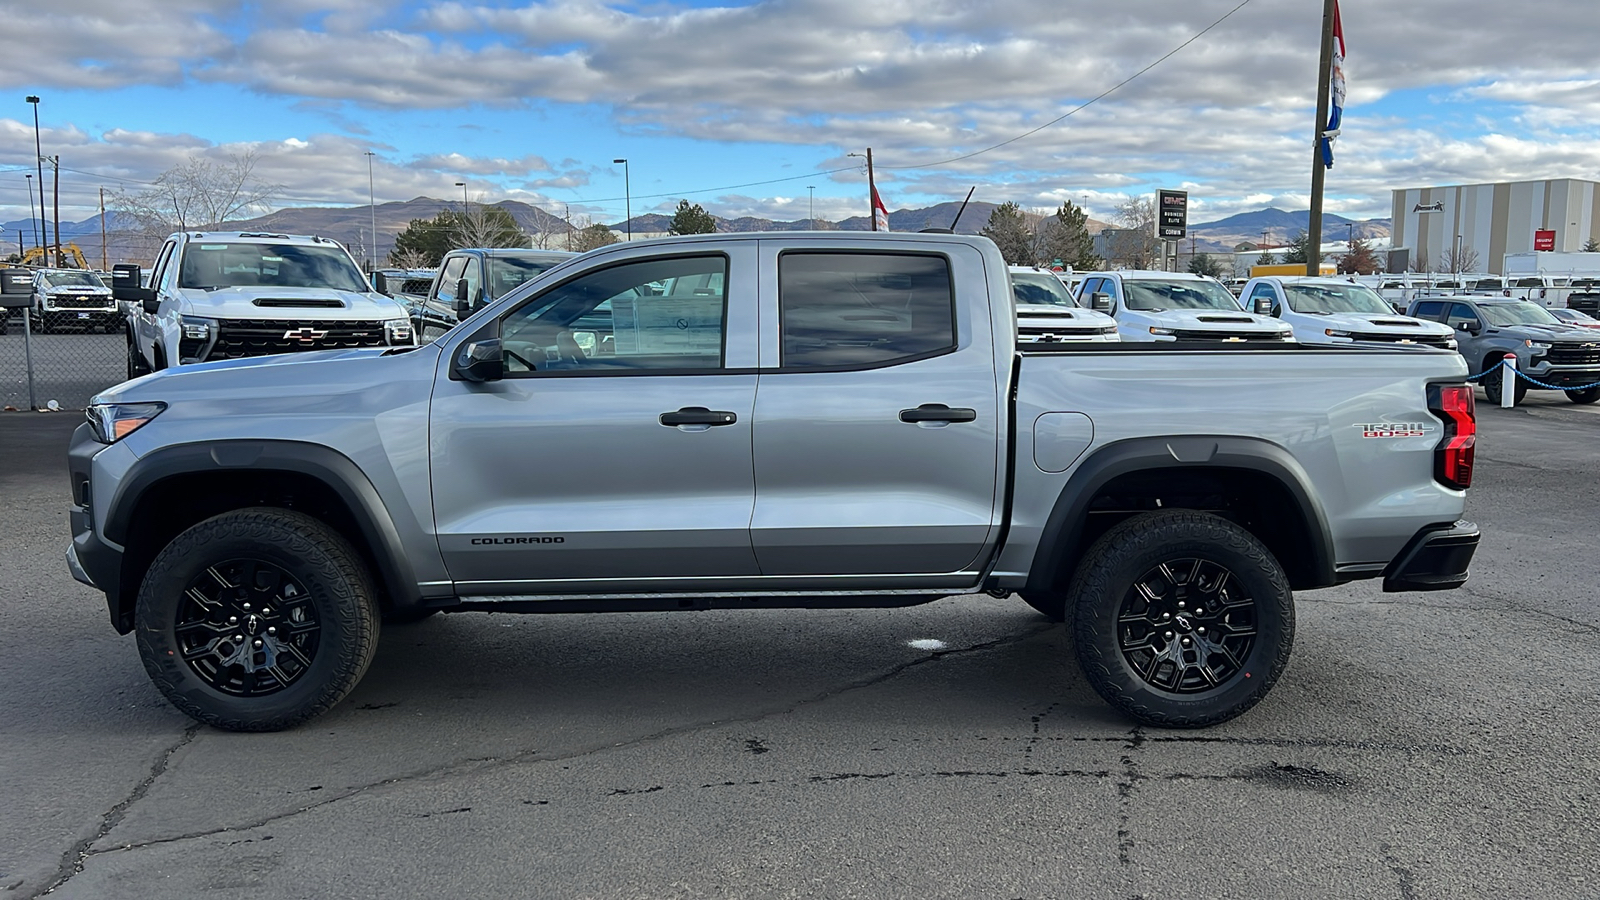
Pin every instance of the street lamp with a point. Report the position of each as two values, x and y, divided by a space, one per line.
627 195
372 205
38 152
463 186
813 209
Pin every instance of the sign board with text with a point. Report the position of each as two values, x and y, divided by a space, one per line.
1544 240
1172 215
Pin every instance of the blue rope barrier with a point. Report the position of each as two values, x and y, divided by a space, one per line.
1532 381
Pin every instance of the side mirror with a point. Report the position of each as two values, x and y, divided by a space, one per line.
16 288
463 302
1472 327
1263 306
380 283
125 285
479 361
151 305
1100 301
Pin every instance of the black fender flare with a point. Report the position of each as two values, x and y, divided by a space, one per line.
326 465
1064 527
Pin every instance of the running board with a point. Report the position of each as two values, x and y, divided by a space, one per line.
671 602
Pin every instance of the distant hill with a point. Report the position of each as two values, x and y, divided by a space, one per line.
1281 225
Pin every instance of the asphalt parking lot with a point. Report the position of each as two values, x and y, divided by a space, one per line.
1419 745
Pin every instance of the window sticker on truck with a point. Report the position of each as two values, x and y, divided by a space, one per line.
1392 429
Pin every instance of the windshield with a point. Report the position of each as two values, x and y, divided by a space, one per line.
1045 290
1519 313
72 279
1155 296
213 266
1335 298
507 272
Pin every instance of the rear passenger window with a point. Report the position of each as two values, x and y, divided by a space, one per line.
1429 309
860 310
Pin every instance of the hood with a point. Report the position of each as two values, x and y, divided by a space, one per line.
265 302
83 289
1044 314
1562 332
1214 320
1382 323
259 374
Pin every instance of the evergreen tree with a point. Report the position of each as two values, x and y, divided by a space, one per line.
592 237
1205 264
1360 259
1592 245
1067 238
1008 228
1300 249
691 220
427 240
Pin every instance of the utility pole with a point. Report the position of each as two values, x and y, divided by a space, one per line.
373 205
872 193
103 264
55 190
38 151
1318 170
32 222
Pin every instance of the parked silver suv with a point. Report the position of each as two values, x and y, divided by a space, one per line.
236 294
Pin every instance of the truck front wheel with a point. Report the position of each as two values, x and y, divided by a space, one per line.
1182 619
1586 395
256 620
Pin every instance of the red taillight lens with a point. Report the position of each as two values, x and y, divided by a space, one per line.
1452 461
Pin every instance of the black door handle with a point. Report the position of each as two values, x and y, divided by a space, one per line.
937 412
698 415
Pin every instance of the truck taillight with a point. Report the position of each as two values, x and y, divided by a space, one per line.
1452 460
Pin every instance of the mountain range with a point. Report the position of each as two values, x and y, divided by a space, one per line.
352 226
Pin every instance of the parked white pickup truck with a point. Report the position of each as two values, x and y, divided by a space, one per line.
765 420
1170 307
1326 310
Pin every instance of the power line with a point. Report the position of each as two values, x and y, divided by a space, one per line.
1087 103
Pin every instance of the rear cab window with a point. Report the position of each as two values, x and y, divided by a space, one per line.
842 311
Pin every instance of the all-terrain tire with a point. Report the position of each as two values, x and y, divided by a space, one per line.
1114 638
1587 395
302 577
1491 384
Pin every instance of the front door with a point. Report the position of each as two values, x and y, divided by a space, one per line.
877 434
614 456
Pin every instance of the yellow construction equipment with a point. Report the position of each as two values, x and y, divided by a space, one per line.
40 256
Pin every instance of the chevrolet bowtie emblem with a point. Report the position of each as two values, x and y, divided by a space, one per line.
304 335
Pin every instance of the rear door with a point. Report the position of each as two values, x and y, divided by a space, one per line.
601 466
877 432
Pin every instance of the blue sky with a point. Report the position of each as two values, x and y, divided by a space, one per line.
532 101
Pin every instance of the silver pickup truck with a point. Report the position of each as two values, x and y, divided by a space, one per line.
764 420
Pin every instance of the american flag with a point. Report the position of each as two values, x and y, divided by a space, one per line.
1336 107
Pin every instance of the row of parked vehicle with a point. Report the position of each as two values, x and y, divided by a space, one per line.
1558 349
68 299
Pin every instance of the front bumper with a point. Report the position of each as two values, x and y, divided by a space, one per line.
1435 559
89 559
1563 376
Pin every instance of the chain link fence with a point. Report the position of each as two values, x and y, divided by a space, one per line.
68 363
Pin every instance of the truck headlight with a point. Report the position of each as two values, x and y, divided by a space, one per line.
114 421
197 329
1108 329
1334 332
1155 330
397 331
1537 346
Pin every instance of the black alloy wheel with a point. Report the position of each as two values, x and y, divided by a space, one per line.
247 628
1182 619
256 619
1491 385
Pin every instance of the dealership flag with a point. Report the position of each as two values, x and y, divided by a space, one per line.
880 213
1336 108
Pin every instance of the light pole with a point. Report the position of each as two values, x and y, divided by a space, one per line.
463 186
32 222
812 211
39 167
372 204
1456 262
627 195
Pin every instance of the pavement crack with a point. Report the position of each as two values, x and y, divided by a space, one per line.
1131 776
1033 739
73 860
459 767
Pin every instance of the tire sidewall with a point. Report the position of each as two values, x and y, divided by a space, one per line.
333 596
1098 604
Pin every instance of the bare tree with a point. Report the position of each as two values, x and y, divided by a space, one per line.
198 193
481 225
1458 259
409 259
1134 243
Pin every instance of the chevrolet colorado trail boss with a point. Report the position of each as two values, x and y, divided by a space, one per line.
765 420
227 295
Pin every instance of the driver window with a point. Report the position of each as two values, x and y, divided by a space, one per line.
1461 316
448 278
659 314
1264 290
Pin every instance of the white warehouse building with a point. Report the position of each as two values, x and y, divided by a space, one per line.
1492 220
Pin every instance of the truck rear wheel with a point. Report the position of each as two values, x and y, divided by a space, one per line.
1182 619
256 620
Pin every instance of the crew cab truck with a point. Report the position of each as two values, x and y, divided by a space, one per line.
1046 310
470 277
1551 352
766 420
73 298
1337 311
229 295
1169 307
